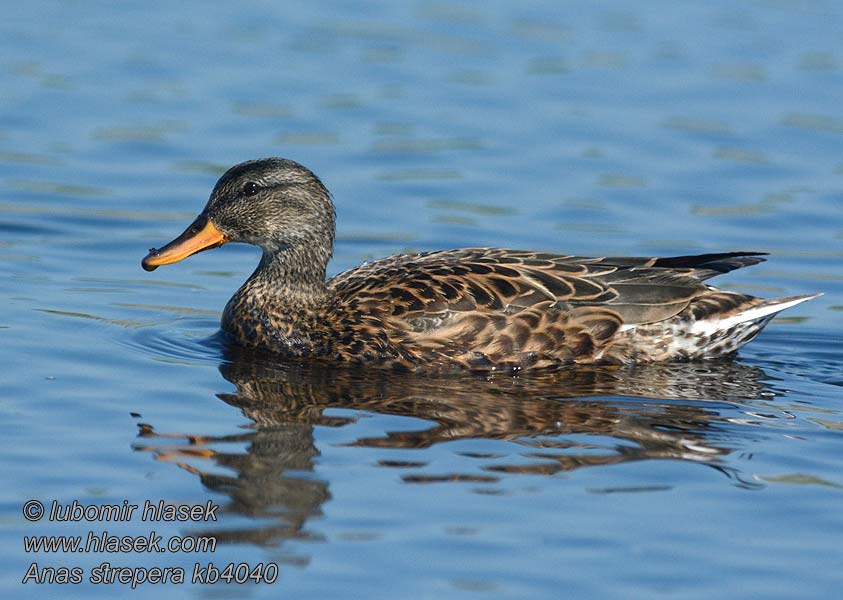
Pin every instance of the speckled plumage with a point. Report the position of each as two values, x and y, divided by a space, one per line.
475 308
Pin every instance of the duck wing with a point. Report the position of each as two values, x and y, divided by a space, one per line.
423 287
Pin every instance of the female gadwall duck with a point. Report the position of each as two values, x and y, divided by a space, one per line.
477 308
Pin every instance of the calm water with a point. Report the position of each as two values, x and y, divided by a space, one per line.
592 128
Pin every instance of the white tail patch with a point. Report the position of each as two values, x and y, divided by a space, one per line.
763 311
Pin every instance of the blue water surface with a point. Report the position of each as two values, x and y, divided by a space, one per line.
600 128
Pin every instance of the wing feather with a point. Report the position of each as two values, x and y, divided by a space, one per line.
429 288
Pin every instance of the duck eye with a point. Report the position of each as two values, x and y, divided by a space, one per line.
251 188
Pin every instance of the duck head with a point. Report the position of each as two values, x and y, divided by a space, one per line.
273 203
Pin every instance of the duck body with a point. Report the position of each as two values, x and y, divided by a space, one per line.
498 309
472 308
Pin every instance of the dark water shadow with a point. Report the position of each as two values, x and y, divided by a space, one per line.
587 417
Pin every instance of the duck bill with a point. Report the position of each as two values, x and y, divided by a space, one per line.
201 235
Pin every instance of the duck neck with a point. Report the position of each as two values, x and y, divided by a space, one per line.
290 277
279 305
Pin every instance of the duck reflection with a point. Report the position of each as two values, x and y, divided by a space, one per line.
554 423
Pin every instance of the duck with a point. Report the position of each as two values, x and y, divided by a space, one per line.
480 309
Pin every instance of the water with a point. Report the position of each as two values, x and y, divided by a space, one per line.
600 128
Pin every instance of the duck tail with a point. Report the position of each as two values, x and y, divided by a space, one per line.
763 311
721 333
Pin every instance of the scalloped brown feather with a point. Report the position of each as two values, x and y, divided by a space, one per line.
497 309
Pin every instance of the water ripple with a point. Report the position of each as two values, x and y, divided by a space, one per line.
187 344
